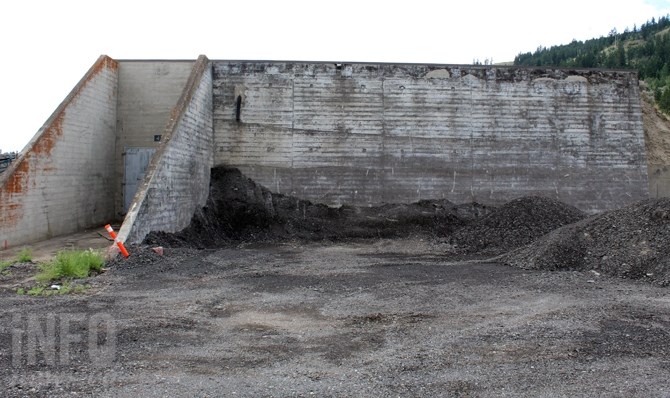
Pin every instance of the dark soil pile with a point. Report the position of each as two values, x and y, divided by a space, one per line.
515 224
631 242
238 209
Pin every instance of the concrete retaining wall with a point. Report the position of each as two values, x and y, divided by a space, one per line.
373 133
360 134
177 180
63 179
148 91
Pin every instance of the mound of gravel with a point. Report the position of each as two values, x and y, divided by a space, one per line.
515 224
238 209
632 242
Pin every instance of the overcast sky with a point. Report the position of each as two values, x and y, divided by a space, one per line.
47 46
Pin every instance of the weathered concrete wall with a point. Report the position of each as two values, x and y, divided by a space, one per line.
177 180
372 133
148 91
63 179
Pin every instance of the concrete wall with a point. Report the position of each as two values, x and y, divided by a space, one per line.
63 179
148 91
372 133
177 180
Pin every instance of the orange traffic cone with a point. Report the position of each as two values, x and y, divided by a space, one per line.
116 239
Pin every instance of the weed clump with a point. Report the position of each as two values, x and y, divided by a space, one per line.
25 256
72 264
5 264
40 290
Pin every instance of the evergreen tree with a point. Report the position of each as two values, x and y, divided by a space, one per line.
645 49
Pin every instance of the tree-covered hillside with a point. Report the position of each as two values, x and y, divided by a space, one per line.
646 49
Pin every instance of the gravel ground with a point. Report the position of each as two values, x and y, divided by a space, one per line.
381 318
267 295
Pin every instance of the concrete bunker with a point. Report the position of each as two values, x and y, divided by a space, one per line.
352 134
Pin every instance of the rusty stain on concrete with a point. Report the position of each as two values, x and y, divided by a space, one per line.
103 63
50 136
10 204
18 180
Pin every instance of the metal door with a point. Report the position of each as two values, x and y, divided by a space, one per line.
135 164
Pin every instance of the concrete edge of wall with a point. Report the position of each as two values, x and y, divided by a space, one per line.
129 226
36 141
428 64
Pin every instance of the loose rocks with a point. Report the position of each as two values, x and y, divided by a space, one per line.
631 242
515 224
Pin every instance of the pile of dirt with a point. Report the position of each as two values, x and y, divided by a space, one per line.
631 242
238 209
515 224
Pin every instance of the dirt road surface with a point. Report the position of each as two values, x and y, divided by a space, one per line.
380 318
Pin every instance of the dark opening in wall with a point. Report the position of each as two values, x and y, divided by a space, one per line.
238 107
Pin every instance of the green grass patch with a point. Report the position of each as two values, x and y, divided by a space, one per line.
45 291
25 256
71 264
66 266
5 264
35 291
75 289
